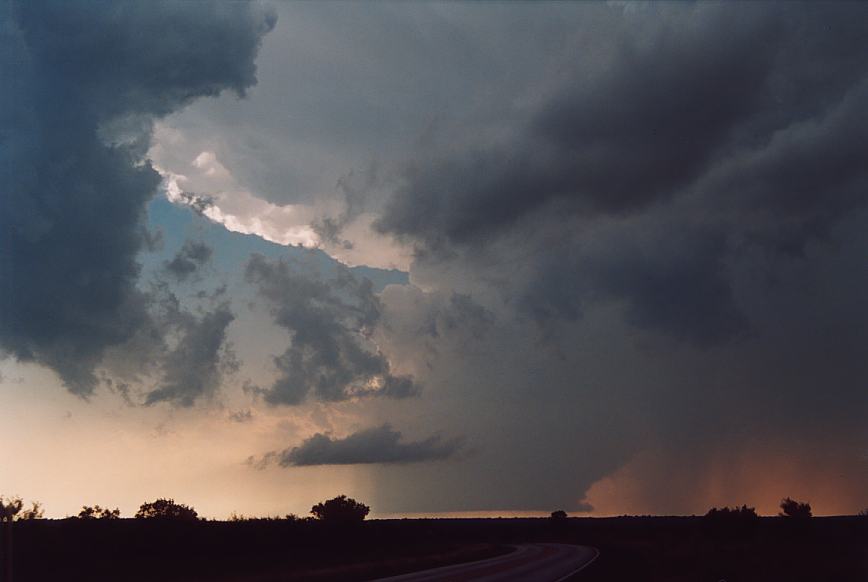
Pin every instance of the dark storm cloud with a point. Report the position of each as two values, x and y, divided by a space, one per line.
82 84
720 129
331 356
605 142
189 258
671 234
669 277
380 445
797 185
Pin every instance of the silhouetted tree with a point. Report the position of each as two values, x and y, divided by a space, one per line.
796 509
9 509
97 512
559 514
166 509
341 509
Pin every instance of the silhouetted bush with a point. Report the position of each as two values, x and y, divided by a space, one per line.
559 514
340 510
9 508
731 514
97 512
240 517
730 522
35 512
795 509
166 509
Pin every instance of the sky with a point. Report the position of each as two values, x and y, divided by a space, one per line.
445 258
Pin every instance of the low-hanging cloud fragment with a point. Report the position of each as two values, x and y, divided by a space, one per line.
331 356
194 368
179 355
84 86
241 416
379 445
191 257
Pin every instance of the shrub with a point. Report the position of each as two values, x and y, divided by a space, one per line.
35 512
795 509
559 514
730 522
341 509
166 509
9 508
97 512
731 514
240 517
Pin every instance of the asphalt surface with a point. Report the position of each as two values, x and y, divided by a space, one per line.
528 563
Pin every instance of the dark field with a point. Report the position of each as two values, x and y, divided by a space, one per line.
632 548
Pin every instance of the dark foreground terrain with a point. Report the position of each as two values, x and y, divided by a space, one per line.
631 548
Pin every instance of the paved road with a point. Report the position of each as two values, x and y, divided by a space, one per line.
528 563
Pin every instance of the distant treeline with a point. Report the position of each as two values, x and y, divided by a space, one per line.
337 509
340 509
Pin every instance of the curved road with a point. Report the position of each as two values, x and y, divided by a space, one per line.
528 563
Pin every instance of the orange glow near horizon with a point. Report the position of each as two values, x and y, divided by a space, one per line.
759 477
65 453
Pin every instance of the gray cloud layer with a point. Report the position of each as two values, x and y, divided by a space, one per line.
380 445
82 86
